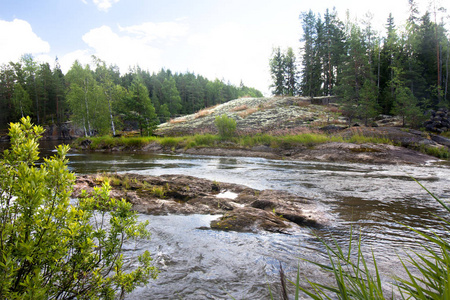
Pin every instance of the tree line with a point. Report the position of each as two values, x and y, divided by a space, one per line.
101 100
405 72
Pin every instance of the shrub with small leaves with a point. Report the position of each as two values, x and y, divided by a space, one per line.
226 126
54 249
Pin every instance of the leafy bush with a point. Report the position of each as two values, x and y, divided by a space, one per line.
226 126
51 248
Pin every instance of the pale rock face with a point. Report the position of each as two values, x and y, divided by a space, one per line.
254 114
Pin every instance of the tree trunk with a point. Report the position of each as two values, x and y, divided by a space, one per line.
36 99
110 112
87 107
446 67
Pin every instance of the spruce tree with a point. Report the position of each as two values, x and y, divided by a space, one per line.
277 72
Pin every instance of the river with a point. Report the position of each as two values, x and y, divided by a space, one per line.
205 264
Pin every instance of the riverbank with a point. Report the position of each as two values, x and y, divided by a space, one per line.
381 145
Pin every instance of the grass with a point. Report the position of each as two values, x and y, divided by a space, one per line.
209 140
284 140
354 279
439 152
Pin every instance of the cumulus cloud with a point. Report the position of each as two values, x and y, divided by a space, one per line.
127 47
17 38
125 51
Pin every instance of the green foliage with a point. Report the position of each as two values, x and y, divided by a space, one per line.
159 191
209 140
283 71
109 142
354 279
277 71
338 59
100 100
171 96
21 101
439 152
405 105
51 248
164 112
139 107
170 142
226 126
205 139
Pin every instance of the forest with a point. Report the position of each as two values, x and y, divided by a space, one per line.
403 72
100 100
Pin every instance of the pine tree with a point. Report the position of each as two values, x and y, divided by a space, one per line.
308 53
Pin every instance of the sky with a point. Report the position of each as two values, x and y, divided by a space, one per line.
231 40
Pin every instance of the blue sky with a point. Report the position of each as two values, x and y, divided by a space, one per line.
225 39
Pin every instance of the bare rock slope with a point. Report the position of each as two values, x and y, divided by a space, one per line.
255 115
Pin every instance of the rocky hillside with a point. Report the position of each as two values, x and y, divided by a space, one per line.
257 115
285 115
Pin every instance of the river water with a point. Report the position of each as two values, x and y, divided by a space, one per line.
205 264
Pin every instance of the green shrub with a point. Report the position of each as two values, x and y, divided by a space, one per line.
439 152
48 246
226 126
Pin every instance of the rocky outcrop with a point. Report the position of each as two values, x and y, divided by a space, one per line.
439 121
63 131
243 209
255 115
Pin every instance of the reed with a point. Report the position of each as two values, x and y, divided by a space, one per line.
355 280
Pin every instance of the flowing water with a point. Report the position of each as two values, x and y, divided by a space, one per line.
205 264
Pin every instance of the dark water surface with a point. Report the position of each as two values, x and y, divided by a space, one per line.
206 264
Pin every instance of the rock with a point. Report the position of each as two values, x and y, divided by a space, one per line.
86 143
441 140
331 128
253 115
249 211
252 220
439 121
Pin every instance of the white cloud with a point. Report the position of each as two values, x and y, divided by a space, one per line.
17 38
151 31
104 5
66 61
122 50
127 47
